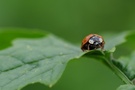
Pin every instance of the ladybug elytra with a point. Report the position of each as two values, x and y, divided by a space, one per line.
92 41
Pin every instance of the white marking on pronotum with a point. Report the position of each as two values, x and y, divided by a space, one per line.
91 41
100 39
96 43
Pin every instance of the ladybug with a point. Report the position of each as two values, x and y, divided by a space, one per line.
92 42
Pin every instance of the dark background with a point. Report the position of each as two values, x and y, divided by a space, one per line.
72 20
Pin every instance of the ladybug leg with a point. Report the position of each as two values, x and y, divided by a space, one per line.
102 47
95 48
82 48
88 46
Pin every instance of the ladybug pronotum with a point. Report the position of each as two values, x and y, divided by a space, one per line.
92 42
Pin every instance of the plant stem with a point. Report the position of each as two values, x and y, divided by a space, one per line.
117 71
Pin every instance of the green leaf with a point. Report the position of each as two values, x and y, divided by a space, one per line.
127 65
35 60
113 41
126 87
40 59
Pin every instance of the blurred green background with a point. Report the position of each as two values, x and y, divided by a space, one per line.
72 20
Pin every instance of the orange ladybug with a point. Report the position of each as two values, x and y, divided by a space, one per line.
92 41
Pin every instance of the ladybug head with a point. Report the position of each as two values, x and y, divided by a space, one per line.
95 40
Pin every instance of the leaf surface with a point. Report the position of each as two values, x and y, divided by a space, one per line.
40 59
126 87
113 41
127 65
35 60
